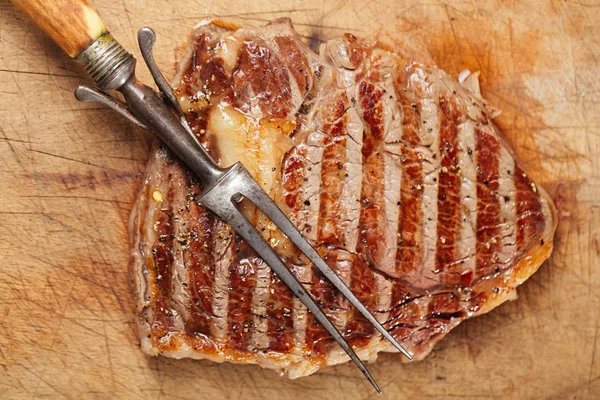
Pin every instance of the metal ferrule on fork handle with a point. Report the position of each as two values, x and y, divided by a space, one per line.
107 62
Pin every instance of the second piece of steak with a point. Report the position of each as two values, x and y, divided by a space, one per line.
393 170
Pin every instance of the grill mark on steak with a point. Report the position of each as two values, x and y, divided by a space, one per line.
300 314
299 176
279 315
410 233
331 147
350 207
364 285
286 318
333 219
387 116
401 312
316 337
531 221
260 338
162 249
200 263
330 228
371 223
242 281
223 238
371 246
508 208
448 197
488 207
410 226
179 290
294 164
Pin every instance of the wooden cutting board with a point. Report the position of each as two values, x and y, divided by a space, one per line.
69 174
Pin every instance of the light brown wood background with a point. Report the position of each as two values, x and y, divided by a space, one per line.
69 173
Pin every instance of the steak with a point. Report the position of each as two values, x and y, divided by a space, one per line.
393 170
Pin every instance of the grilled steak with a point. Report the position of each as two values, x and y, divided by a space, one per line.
392 169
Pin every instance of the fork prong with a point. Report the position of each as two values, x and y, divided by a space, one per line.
146 39
246 230
274 213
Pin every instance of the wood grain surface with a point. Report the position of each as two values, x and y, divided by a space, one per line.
72 24
69 173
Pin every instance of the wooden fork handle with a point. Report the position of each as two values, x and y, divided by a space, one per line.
72 24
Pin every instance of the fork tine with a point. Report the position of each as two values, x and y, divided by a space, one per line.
271 210
246 230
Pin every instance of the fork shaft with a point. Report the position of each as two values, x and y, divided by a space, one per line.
156 115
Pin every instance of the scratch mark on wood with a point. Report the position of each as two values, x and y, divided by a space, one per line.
14 71
43 380
72 159
110 200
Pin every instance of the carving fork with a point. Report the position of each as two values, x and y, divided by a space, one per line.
76 27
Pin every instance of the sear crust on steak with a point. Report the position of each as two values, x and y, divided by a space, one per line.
392 169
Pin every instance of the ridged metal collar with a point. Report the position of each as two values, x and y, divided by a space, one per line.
107 62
